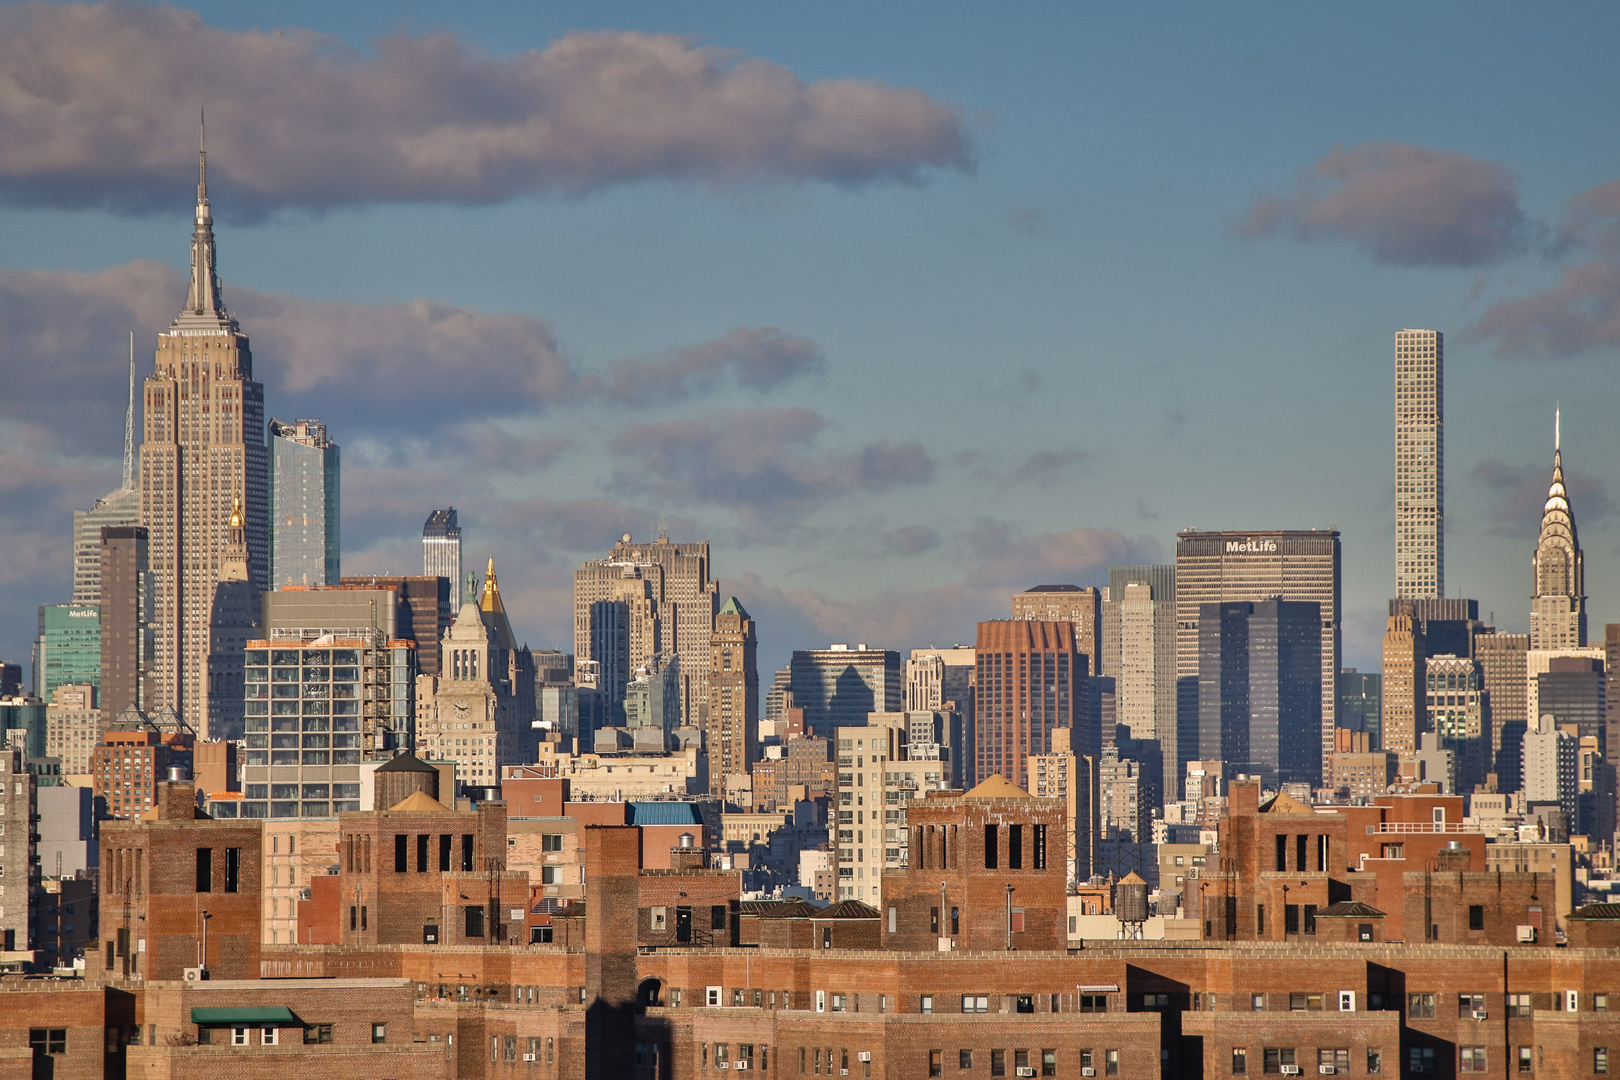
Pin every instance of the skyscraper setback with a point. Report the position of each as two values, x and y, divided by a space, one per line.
441 551
1420 458
203 454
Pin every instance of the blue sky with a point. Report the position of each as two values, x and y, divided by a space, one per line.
1031 341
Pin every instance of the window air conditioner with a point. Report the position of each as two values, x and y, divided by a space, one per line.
1026 1070
1088 1071
864 1055
1326 1070
531 1057
1290 1070
1527 934
1479 1014
740 1063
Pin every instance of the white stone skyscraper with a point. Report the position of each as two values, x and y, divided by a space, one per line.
203 455
1420 464
1558 612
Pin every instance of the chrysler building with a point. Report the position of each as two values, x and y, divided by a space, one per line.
1558 612
203 454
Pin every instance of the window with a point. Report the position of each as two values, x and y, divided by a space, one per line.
1527 1060
971 1004
1518 1005
839 1002
964 1059
1600 1059
1600 1002
1024 1004
717 917
1260 919
205 869
998 1063
1476 916
233 868
712 998
379 1033
239 1036
989 847
1093 1003
1038 855
936 1063
1420 1006
48 1042
1305 1002
1310 918
926 1004
1240 1060
1420 1059
474 916
1276 1057
1257 1003
318 1035
269 1036
1085 1062
1110 1062
1472 1059
509 1048
551 842
1332 1062
1290 918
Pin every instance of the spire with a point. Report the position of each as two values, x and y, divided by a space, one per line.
1558 435
495 611
204 295
129 422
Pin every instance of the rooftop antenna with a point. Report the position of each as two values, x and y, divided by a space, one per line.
129 422
1558 422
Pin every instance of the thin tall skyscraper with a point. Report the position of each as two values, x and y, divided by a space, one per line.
203 455
1420 464
117 509
1558 612
305 502
441 549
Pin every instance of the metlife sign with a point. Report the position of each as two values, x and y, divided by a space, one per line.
1239 547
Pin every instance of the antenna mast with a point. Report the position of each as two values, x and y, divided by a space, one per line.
129 422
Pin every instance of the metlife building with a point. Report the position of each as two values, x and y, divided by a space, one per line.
1214 567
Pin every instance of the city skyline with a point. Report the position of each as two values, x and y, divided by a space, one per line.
854 520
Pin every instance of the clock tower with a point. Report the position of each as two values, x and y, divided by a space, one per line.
472 720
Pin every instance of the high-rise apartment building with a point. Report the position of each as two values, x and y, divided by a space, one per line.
1060 774
1214 567
305 503
942 681
1139 643
1558 610
441 550
125 605
1404 697
19 861
670 604
1502 661
731 731
1551 766
1260 688
1080 605
203 455
839 685
68 648
1420 464
1456 705
1030 680
880 772
73 727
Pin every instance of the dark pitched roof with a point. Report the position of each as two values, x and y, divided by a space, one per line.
1349 909
406 762
792 909
850 909
1597 911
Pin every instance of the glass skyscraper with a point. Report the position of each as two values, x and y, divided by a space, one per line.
68 648
304 504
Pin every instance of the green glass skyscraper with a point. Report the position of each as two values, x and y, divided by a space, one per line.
68 648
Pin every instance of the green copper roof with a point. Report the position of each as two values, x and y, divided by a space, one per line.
733 608
263 1015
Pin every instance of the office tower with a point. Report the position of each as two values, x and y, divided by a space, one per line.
670 601
1450 624
10 680
68 648
1611 695
778 697
941 680
730 733
1139 643
318 705
203 454
441 550
18 852
610 652
652 707
1404 698
1455 702
1502 660
1420 464
1260 689
233 621
1558 611
118 509
1212 567
839 685
1071 604
1030 680
422 611
1551 763
305 504
1360 693
73 727
1572 691
124 581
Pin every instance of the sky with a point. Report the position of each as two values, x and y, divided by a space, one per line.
903 307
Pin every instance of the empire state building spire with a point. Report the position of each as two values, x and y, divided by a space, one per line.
1558 611
204 297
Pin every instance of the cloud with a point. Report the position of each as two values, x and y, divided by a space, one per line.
760 462
913 539
1402 204
755 359
1581 312
96 102
1044 466
1005 556
1519 494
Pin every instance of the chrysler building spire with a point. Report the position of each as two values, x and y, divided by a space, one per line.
1558 611
203 297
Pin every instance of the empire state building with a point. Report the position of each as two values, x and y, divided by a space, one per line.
203 454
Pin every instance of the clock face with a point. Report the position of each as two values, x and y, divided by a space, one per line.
461 706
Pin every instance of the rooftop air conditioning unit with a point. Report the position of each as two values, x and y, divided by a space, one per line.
1526 934
194 974
531 1057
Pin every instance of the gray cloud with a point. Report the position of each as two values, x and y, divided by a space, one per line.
1581 312
760 462
1519 493
913 539
1004 555
95 101
761 359
1402 204
1044 466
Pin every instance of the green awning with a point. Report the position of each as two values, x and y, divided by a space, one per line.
263 1016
